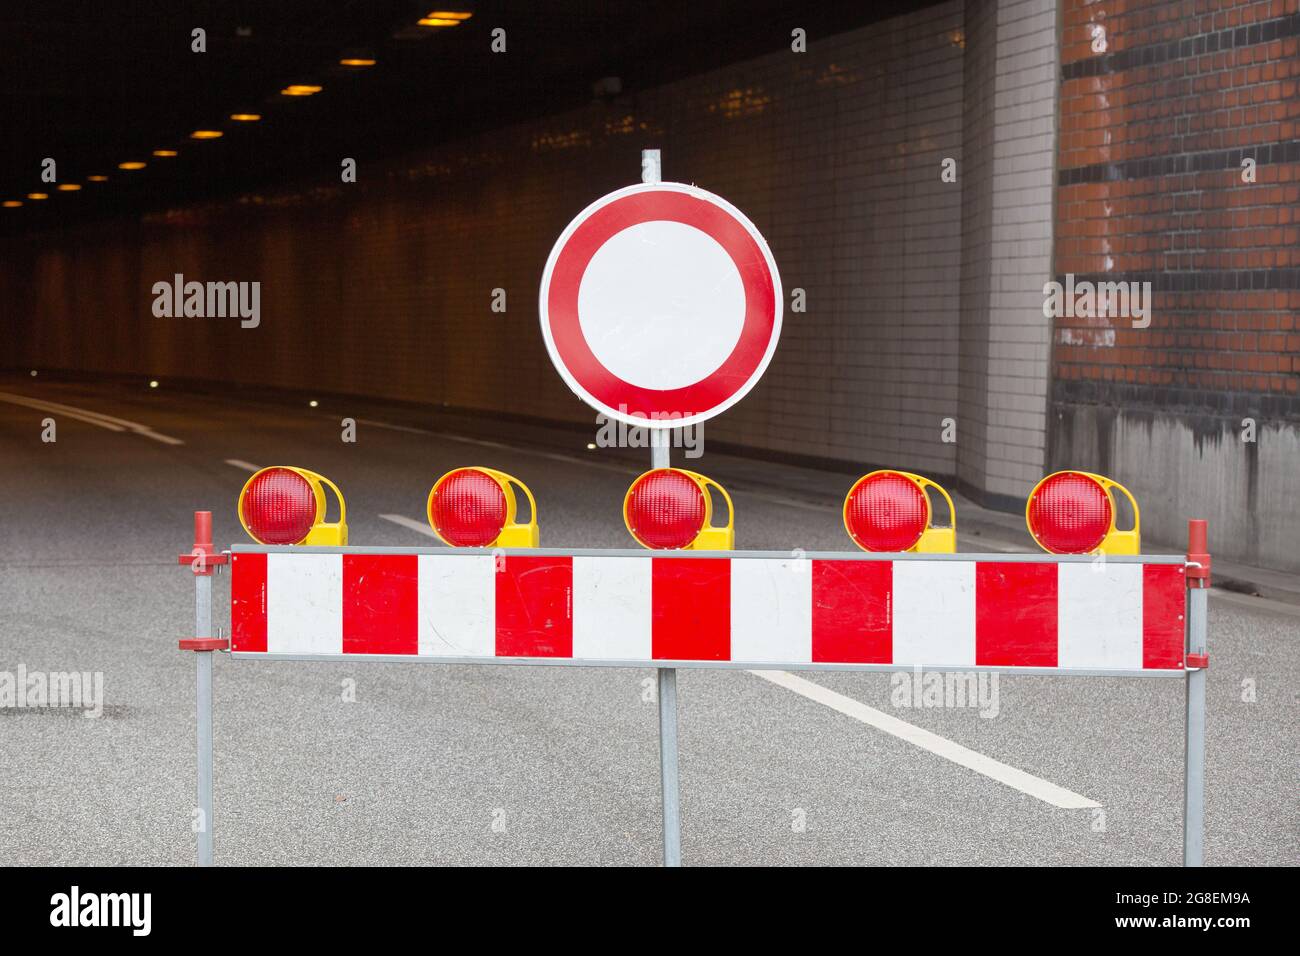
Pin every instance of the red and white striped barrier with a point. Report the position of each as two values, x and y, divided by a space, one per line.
1062 614
1031 614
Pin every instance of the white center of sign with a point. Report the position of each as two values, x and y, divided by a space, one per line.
661 304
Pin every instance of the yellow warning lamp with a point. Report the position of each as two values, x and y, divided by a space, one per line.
891 511
285 505
477 508
1073 512
672 508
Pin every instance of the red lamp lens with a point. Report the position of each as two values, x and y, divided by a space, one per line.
1069 513
279 506
469 508
886 512
665 509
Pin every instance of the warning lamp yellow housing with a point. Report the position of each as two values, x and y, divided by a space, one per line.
668 508
477 508
1073 512
285 505
891 511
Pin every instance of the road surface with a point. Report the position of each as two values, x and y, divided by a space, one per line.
541 765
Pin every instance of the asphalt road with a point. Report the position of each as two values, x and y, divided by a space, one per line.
536 765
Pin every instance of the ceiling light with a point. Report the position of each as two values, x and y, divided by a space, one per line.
12 204
38 196
206 134
165 153
300 89
96 179
356 61
69 188
133 164
245 117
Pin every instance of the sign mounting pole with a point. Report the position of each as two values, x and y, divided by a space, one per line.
651 172
660 307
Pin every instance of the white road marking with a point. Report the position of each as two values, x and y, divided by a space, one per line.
941 746
405 522
631 469
1251 603
485 443
245 465
81 418
90 417
395 428
84 414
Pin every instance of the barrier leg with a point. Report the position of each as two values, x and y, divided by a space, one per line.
203 659
668 765
1194 753
203 562
1197 660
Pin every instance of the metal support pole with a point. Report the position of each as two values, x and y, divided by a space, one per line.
1196 660
660 458
660 441
668 766
203 562
651 171
203 660
1194 752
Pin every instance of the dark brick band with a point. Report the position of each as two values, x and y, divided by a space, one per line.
1233 405
1104 64
1206 280
1174 164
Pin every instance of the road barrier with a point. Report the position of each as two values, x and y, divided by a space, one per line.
692 602
1042 614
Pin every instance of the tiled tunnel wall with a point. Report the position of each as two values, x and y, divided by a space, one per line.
924 298
384 287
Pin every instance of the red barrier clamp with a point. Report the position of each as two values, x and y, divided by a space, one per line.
203 561
1198 554
1197 662
204 644
202 558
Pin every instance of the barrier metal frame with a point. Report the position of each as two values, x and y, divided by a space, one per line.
204 562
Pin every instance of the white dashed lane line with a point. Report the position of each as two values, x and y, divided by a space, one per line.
405 522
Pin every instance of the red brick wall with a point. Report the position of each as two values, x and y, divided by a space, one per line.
1152 136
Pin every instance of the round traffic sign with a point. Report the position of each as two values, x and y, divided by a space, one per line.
660 305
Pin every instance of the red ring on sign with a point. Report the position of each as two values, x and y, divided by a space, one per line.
671 206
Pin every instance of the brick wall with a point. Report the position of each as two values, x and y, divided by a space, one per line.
384 287
1153 134
1154 129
